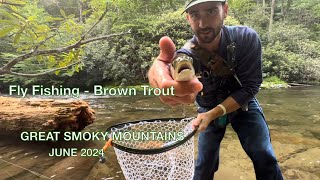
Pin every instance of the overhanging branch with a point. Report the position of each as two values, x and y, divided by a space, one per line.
95 24
9 9
8 3
46 72
104 37
6 69
56 51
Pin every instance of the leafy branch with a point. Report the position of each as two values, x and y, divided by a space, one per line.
7 68
46 72
12 3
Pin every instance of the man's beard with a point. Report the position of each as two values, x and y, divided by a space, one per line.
210 35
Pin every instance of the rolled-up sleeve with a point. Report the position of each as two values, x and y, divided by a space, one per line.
249 68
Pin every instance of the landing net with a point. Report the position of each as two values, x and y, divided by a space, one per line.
167 153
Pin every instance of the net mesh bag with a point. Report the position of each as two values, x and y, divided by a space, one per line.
174 164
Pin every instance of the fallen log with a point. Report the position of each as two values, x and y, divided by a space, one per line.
299 84
20 114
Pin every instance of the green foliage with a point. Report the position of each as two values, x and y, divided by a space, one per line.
296 39
241 9
273 82
274 79
306 13
231 21
30 28
127 59
291 53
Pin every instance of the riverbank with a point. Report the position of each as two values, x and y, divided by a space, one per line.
297 157
273 82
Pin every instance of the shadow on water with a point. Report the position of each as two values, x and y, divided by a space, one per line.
292 115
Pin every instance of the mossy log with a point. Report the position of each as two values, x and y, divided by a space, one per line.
20 114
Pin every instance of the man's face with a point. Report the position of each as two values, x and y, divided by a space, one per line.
206 20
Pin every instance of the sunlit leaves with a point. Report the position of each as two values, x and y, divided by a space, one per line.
14 2
230 20
6 15
49 19
6 31
63 13
17 36
31 28
51 61
86 12
31 18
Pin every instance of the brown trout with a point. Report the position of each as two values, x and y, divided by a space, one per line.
182 68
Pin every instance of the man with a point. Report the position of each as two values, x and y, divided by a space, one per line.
220 97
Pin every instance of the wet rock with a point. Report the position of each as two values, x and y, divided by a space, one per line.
292 174
71 168
307 161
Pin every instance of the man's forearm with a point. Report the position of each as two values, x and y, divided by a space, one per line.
229 104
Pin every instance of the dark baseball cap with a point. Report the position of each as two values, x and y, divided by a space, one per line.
195 2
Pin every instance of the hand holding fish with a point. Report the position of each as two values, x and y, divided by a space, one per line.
160 77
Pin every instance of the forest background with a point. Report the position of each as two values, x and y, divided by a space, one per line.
80 43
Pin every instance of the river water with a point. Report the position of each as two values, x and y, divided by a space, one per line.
293 116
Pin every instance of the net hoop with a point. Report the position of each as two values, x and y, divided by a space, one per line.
155 150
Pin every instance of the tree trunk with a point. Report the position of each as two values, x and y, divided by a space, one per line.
282 8
17 115
287 9
80 12
273 2
264 6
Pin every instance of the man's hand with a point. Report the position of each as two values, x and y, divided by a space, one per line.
202 121
159 77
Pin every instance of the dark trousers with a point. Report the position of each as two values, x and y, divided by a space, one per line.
253 134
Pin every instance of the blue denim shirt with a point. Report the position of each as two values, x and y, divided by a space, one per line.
248 70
